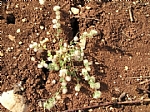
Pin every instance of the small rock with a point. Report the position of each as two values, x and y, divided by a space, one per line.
126 68
24 20
74 10
13 102
88 8
41 27
18 31
20 43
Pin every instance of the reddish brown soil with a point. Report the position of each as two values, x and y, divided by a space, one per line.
122 50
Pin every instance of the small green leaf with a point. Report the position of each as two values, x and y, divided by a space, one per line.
97 94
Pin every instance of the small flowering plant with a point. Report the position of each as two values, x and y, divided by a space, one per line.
62 61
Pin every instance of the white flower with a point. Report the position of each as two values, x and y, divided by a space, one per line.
57 13
84 71
40 66
82 54
35 49
85 33
86 77
68 78
77 53
45 65
57 25
58 97
44 41
54 26
56 8
64 90
93 32
88 68
64 49
34 44
75 38
57 17
49 58
85 62
63 72
77 87
65 45
54 21
64 83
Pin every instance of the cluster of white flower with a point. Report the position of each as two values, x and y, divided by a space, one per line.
56 22
78 54
91 79
35 46
65 78
62 60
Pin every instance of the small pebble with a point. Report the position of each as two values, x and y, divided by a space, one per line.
88 8
24 20
18 31
126 68
53 82
74 10
41 27
32 58
20 43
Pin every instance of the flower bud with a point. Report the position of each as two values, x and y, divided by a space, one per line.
64 83
75 38
57 17
54 21
56 8
64 90
57 13
93 32
77 87
63 72
68 78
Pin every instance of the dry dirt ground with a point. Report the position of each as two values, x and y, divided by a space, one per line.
121 50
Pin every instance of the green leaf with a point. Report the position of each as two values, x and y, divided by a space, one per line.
97 94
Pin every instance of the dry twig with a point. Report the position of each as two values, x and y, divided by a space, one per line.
131 14
136 102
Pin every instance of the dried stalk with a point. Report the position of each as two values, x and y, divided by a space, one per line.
136 102
131 14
